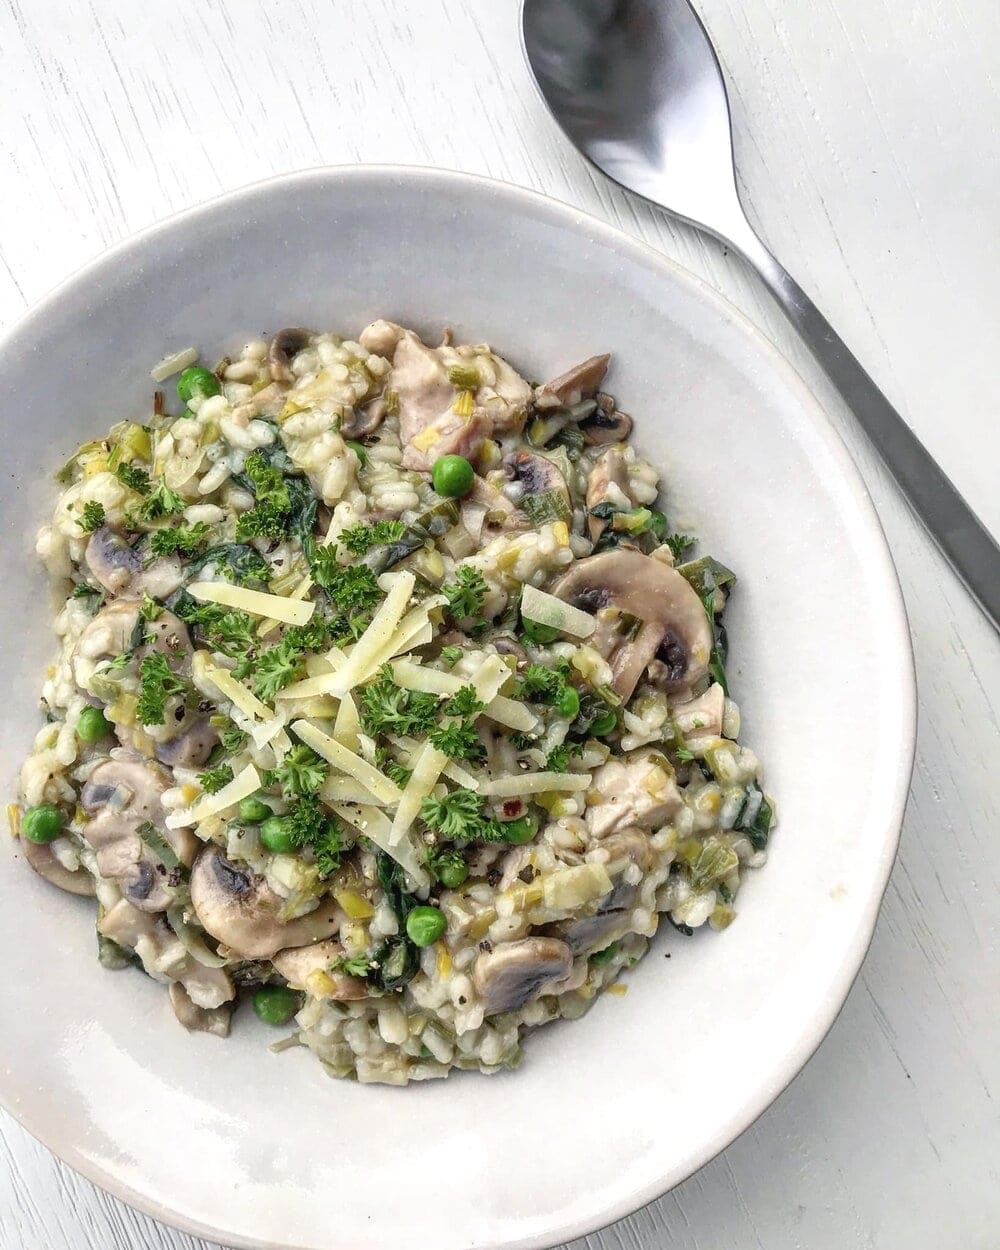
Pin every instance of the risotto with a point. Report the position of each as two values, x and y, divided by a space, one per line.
386 700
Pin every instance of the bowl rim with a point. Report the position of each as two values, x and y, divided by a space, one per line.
558 212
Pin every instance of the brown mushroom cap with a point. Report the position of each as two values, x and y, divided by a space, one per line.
363 422
298 964
286 344
214 1020
41 858
530 476
675 628
578 383
239 909
514 973
605 424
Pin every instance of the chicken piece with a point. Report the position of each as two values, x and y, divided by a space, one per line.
640 791
428 426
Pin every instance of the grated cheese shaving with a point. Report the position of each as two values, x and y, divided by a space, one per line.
546 609
241 787
238 694
368 650
270 625
534 783
375 825
347 726
506 712
256 602
347 761
346 790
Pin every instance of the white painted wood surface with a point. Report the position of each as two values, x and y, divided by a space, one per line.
867 132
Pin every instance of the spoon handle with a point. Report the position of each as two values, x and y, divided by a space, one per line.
956 529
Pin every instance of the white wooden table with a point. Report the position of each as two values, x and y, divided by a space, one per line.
869 147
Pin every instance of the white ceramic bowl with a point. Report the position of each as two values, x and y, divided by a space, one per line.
238 1145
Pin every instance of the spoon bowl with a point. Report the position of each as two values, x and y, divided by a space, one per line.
637 86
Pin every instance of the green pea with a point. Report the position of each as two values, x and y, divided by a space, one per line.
253 811
92 725
603 724
451 869
538 633
275 1004
521 830
452 476
425 925
358 450
197 381
569 703
42 823
276 835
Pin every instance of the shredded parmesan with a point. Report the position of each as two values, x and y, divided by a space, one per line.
534 783
375 825
256 602
371 646
346 790
347 726
270 625
347 761
172 364
238 694
241 787
506 712
430 763
546 609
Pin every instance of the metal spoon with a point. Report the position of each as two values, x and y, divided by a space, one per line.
636 85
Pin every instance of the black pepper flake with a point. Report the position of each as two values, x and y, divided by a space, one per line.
461 1000
486 946
493 876
527 874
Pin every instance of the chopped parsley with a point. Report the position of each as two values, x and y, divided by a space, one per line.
466 593
271 515
679 544
227 630
392 768
135 479
451 655
149 609
464 703
302 771
213 780
459 740
158 683
388 708
309 824
557 760
161 502
542 684
358 538
272 670
82 591
459 816
233 739
182 540
92 517
353 588
352 965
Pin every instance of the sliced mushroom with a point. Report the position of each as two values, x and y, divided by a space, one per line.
605 424
151 938
239 909
118 566
514 973
507 644
536 487
674 628
286 344
576 384
124 793
41 857
297 965
486 507
190 749
112 559
362 422
214 1020
608 483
